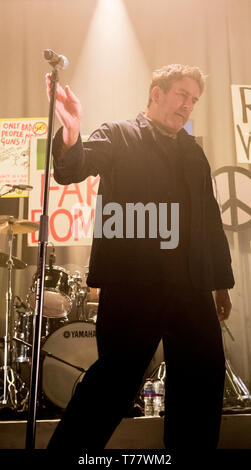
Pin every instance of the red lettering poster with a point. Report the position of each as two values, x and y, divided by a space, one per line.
71 208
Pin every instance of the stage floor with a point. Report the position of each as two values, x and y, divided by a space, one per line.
132 433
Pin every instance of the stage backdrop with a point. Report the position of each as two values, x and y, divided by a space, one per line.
113 46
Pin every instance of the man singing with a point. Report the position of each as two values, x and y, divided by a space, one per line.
150 291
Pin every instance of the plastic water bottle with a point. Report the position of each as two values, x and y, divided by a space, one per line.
158 399
148 398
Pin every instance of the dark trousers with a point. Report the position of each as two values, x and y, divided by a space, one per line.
130 324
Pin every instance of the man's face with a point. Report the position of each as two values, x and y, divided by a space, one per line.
172 109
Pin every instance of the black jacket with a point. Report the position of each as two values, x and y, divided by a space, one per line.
129 159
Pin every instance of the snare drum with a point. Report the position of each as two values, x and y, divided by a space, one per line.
75 344
57 292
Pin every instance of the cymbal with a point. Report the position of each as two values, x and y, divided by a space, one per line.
17 225
17 263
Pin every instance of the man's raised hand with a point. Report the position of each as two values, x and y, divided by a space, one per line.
68 110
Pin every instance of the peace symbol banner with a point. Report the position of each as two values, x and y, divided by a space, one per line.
232 187
241 100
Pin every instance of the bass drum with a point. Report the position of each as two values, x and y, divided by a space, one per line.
74 349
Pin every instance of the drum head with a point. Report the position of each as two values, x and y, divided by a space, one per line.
74 343
56 304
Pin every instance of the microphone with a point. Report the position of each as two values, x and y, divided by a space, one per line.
23 187
56 60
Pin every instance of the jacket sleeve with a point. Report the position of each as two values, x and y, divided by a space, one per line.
218 245
84 158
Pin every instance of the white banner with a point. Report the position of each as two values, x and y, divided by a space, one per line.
71 208
241 99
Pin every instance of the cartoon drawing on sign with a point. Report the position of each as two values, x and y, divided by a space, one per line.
15 143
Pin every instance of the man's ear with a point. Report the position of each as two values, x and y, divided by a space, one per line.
156 94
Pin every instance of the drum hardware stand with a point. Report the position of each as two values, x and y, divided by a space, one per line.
79 306
91 306
238 390
81 296
78 293
10 377
56 63
49 354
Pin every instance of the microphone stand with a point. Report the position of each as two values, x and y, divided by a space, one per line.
11 190
42 246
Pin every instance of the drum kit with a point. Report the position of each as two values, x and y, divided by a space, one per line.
68 340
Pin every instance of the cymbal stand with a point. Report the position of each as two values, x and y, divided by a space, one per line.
9 388
236 392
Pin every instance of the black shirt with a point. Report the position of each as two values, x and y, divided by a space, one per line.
173 189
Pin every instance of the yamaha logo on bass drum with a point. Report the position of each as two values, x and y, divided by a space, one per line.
79 334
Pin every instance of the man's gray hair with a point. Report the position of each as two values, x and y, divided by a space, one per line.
167 75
